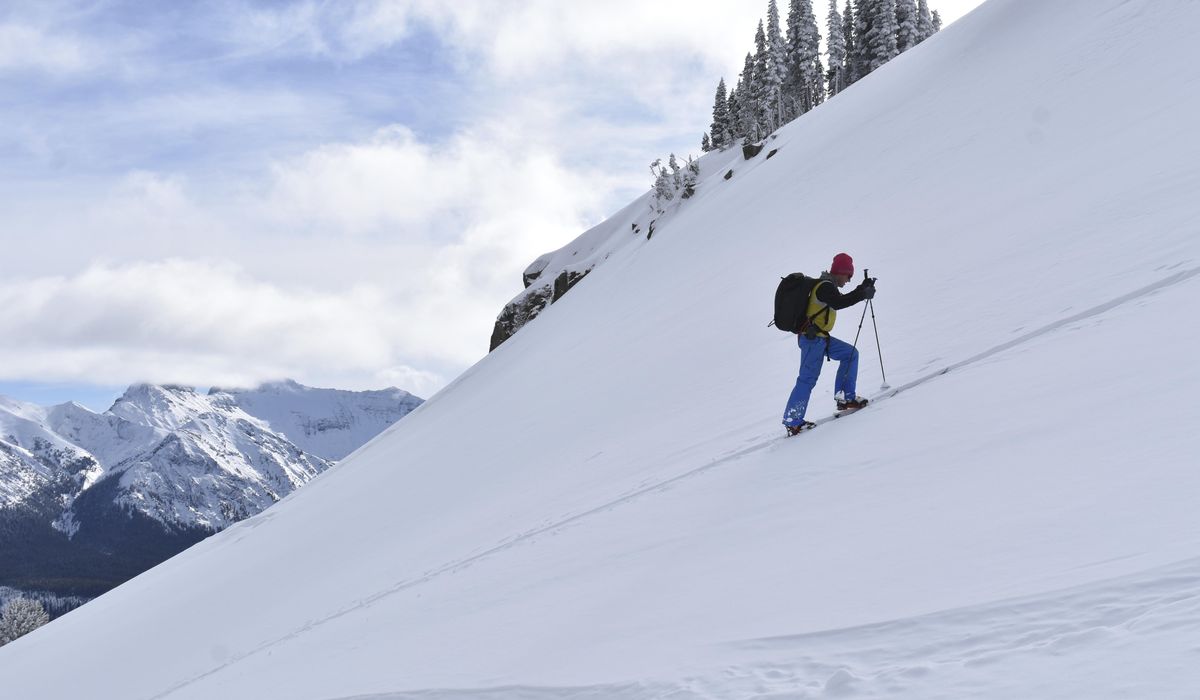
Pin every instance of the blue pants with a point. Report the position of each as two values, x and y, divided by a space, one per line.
812 355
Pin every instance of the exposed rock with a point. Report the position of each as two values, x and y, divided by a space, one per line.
518 312
565 280
526 307
535 269
751 149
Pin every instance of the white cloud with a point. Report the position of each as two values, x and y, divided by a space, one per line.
194 322
24 47
390 182
369 263
447 229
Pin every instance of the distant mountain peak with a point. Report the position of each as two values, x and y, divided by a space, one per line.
166 464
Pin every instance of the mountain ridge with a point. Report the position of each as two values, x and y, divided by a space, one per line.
165 464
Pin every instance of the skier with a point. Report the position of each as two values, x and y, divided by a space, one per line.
816 343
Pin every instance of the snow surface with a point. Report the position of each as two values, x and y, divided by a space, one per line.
623 519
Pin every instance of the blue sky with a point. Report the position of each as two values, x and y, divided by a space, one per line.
344 193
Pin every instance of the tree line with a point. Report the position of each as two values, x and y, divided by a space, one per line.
785 77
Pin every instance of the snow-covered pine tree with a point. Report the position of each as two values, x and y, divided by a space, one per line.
908 34
734 109
691 171
777 110
864 10
924 20
937 21
850 70
748 112
806 80
880 37
663 191
835 77
720 124
759 89
705 143
676 172
20 617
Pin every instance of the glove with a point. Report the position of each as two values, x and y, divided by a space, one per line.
868 288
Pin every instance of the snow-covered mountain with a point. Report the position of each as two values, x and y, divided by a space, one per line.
167 463
1015 518
330 423
33 458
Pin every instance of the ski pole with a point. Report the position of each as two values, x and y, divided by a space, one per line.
871 304
864 317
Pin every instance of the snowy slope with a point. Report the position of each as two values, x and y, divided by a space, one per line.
1019 521
329 423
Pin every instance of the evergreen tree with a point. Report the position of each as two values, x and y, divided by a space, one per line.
20 617
691 171
733 108
937 22
676 172
806 84
908 33
836 76
880 36
748 102
705 143
924 21
759 88
776 73
721 127
864 10
663 190
850 69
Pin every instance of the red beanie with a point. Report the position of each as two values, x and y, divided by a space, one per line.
842 265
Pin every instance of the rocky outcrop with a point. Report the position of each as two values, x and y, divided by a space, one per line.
527 306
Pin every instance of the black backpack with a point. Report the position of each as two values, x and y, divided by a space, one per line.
791 301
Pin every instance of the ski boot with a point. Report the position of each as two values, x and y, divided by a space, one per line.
797 429
851 404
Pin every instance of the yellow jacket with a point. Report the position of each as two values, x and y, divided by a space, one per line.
823 315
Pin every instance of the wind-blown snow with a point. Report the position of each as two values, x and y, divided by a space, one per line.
604 506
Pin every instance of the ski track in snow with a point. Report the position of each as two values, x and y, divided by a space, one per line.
888 658
903 653
899 655
840 676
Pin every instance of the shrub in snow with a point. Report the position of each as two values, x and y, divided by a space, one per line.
20 617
